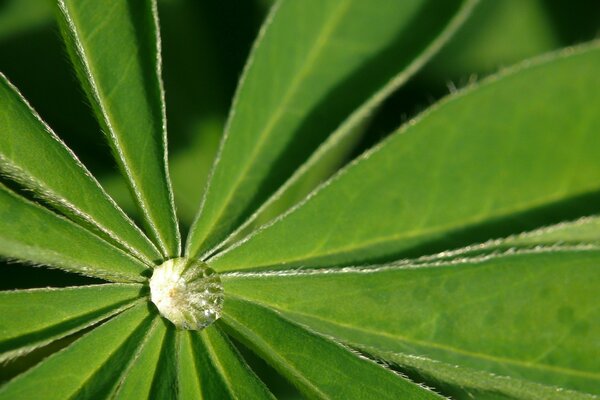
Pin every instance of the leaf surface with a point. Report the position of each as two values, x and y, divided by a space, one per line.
31 154
90 367
530 315
36 317
210 367
115 47
31 233
345 54
136 380
318 367
464 383
479 156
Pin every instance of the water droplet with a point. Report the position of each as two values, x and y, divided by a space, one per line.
186 292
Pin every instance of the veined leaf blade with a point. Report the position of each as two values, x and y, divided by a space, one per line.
320 368
31 233
530 315
478 156
36 317
31 154
343 52
335 150
115 46
65 375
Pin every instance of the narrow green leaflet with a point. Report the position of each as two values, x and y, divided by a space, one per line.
214 369
348 51
584 232
465 383
34 156
31 233
36 317
419 186
531 315
137 378
90 367
317 366
115 46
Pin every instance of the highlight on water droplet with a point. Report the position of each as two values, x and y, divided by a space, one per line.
187 292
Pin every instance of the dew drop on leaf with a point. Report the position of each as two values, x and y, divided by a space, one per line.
187 292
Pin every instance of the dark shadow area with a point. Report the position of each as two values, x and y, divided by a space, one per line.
205 45
574 21
21 276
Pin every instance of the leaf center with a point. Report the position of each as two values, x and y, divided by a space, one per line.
187 292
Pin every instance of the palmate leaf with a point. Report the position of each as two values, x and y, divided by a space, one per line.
106 350
33 155
33 318
531 315
319 367
115 47
33 234
449 318
419 186
348 52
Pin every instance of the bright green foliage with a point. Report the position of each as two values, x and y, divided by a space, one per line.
60 178
319 367
459 254
32 318
431 189
461 300
87 368
333 51
115 48
36 235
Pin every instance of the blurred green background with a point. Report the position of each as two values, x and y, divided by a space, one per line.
205 44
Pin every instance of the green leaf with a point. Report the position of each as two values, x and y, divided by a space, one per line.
36 317
31 154
334 151
319 367
90 367
115 46
465 383
165 382
530 315
421 186
31 233
584 231
343 52
136 381
211 367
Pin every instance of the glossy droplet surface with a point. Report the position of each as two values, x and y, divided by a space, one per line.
188 293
